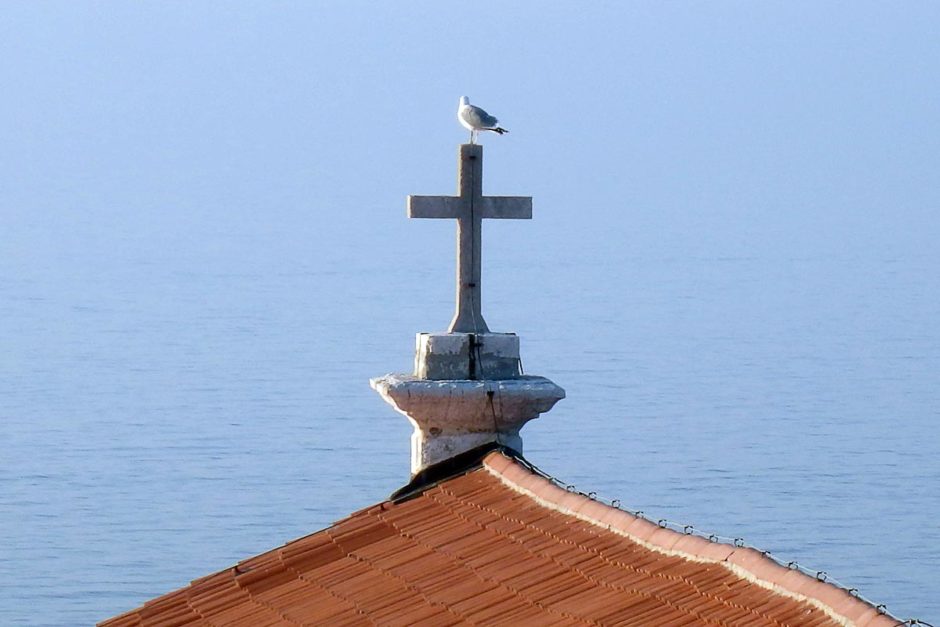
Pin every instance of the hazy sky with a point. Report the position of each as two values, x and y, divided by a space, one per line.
734 125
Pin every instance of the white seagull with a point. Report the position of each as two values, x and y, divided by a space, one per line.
476 119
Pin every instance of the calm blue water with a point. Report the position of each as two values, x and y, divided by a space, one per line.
178 394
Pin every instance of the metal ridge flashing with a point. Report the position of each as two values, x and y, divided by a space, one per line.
450 468
745 562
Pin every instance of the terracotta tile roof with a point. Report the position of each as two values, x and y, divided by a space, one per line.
502 545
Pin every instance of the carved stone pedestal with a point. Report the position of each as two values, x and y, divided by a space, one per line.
466 390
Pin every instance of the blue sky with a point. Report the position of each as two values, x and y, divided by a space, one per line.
732 124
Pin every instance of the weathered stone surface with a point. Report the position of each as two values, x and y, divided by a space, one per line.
467 388
469 208
454 416
442 356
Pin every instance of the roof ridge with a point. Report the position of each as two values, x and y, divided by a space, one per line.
748 563
450 468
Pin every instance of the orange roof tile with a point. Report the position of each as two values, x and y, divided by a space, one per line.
500 544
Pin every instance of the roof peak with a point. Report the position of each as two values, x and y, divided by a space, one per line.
449 468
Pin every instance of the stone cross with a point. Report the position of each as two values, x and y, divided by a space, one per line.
469 208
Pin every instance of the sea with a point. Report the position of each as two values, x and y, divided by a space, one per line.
183 386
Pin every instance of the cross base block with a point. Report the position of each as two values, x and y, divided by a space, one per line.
470 356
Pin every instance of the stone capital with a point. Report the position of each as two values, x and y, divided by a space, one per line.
454 416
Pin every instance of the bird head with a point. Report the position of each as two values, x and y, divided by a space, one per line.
464 101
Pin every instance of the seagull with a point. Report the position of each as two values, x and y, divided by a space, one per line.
476 119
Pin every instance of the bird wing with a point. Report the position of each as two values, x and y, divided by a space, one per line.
477 117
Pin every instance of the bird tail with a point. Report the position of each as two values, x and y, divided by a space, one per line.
498 129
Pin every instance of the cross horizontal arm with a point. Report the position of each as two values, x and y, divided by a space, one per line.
434 206
517 207
498 207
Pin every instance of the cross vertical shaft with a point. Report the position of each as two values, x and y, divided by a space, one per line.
469 315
